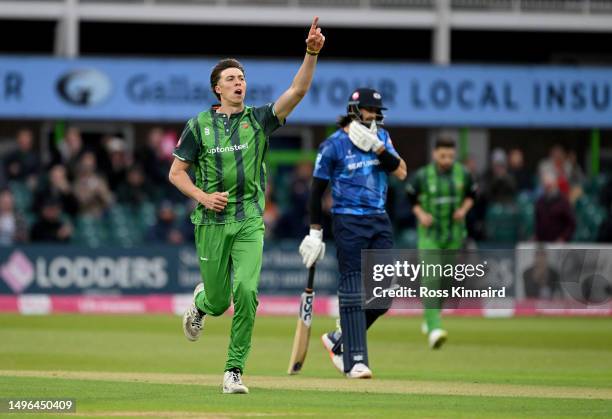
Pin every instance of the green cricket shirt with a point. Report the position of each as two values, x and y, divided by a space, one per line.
228 153
440 194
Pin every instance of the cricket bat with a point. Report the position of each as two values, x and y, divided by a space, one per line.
302 331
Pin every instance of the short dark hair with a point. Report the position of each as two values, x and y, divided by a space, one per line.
223 64
444 141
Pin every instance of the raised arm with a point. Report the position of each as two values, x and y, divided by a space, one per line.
302 80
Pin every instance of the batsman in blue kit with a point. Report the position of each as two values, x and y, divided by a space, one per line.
357 160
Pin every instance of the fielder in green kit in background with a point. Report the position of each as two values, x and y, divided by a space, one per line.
226 146
441 194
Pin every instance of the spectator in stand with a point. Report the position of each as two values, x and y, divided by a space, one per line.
102 153
554 216
294 221
58 187
605 195
23 164
165 230
474 219
167 145
559 166
522 177
12 224
118 162
155 167
471 165
50 227
575 176
70 151
91 189
271 212
541 280
501 186
156 163
135 190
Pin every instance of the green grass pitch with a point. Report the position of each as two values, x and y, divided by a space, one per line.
142 366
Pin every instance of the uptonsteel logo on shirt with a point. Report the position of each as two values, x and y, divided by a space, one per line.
232 148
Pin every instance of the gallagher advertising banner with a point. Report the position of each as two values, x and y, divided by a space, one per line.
175 90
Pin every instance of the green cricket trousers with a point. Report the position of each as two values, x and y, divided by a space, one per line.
432 253
230 263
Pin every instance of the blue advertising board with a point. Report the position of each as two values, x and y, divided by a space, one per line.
425 95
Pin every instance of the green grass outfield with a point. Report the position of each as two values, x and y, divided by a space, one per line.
142 366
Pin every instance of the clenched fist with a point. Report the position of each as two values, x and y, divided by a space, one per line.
215 201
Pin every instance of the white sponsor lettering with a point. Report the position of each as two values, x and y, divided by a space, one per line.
101 272
361 164
227 149
445 200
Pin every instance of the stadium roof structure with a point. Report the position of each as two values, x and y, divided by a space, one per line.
566 15
441 16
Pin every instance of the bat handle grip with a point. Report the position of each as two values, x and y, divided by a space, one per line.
311 274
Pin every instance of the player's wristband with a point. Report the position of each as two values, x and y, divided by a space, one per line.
388 161
311 52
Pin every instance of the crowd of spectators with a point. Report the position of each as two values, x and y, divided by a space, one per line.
80 181
558 190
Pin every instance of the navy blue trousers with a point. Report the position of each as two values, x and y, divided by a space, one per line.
352 234
355 232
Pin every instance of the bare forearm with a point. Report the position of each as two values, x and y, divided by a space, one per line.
467 205
418 211
296 92
303 78
183 182
401 172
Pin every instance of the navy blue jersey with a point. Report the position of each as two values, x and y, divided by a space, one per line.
359 184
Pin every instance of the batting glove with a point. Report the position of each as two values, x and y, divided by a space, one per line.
365 139
312 247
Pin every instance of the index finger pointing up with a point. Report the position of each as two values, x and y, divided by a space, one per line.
315 21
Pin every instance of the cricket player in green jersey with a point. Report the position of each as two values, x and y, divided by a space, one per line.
441 194
226 146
